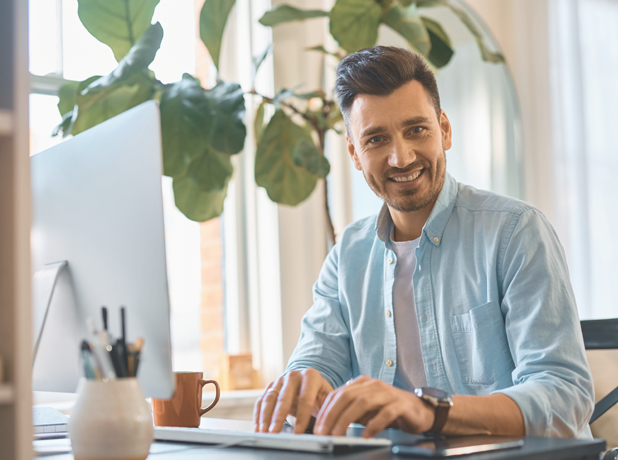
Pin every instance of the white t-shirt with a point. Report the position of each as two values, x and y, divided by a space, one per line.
410 372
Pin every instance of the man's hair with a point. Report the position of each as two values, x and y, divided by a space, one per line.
379 71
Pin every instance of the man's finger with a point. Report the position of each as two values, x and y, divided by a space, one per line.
306 401
287 397
330 413
362 405
268 405
387 415
257 408
331 410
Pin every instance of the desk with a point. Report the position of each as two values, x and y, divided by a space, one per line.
534 449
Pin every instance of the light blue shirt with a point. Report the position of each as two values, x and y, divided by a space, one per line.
496 311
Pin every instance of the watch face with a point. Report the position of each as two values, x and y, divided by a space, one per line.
433 392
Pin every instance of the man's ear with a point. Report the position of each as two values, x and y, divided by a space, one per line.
445 127
352 152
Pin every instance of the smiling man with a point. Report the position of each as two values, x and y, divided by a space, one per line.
450 290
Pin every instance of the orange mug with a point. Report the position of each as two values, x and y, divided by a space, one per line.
185 407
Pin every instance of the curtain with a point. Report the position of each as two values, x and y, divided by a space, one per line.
583 45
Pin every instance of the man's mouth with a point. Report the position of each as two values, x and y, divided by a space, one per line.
409 178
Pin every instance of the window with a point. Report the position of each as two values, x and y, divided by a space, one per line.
61 49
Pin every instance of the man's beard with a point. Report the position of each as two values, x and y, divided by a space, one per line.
405 201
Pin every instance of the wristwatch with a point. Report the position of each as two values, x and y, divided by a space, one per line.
441 401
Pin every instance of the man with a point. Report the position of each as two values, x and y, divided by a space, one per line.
449 288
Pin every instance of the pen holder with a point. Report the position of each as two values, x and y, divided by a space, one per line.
111 420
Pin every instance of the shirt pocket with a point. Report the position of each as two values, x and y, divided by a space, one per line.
481 346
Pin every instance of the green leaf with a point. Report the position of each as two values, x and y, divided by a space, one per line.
486 54
323 50
117 23
196 204
211 171
186 124
111 103
227 103
441 47
275 169
90 110
306 155
212 24
354 23
257 62
139 58
407 23
67 94
258 123
406 3
287 13
430 3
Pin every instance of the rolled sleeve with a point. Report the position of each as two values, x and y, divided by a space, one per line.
324 343
552 381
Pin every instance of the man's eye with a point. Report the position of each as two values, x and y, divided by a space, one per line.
417 129
375 139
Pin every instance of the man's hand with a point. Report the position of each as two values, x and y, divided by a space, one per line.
376 405
299 393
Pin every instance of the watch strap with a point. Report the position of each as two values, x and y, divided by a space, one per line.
441 415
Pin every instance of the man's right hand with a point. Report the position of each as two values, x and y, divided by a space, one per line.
298 393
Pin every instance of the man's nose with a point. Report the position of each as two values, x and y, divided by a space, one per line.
402 154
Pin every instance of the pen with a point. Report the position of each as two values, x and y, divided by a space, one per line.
104 316
123 338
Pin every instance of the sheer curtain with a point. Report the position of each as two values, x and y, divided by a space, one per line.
583 44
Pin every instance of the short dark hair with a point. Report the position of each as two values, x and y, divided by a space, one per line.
379 71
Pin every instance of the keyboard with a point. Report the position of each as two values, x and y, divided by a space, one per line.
282 441
48 422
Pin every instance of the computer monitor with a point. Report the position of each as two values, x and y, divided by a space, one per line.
97 205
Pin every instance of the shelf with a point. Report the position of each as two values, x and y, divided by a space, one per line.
6 393
6 122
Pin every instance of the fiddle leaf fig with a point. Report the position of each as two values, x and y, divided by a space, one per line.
90 110
486 54
195 203
258 123
139 58
287 13
275 170
213 18
211 171
306 155
321 49
407 23
228 130
354 23
117 23
441 46
186 119
257 62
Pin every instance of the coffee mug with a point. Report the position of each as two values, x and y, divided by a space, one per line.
185 407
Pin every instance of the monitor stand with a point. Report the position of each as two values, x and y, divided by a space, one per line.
58 330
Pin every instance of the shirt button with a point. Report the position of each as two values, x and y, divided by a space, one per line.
436 239
389 363
390 260
419 267
388 313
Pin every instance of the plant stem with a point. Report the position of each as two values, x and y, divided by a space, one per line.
330 229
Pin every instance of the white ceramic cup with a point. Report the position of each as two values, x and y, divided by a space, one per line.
111 420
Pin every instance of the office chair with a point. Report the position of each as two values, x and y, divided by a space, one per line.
602 334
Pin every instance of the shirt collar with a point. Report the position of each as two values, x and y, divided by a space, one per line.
436 223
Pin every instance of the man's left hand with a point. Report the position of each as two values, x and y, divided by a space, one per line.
376 405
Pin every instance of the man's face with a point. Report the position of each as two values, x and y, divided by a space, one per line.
399 144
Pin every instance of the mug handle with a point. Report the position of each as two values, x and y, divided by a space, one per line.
201 410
